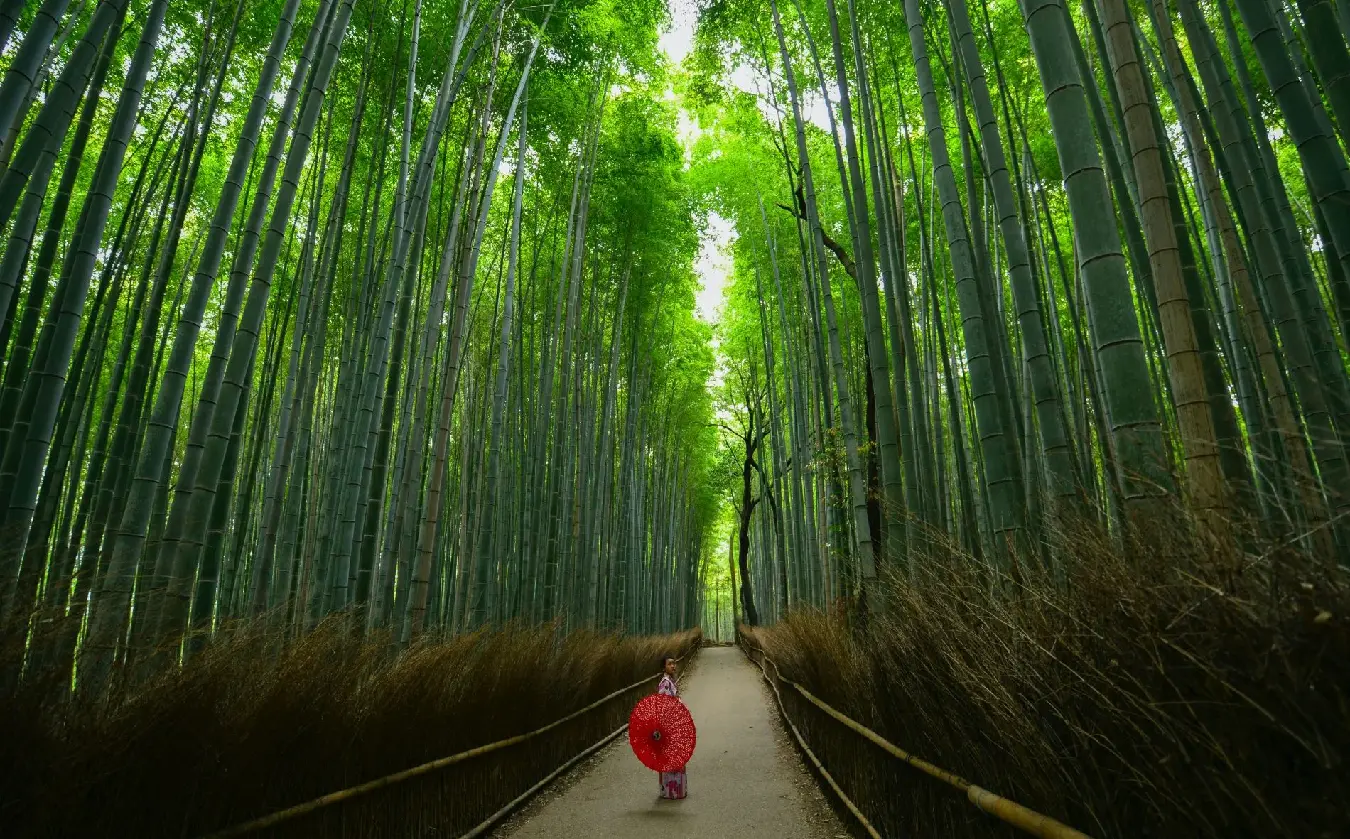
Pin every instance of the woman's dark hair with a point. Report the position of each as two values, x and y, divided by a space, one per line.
664 659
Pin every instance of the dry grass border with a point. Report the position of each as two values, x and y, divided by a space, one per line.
1174 693
245 730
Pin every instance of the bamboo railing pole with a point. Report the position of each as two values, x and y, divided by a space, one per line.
487 824
820 767
1003 809
431 766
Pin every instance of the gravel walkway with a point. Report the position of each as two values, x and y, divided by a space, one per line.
745 779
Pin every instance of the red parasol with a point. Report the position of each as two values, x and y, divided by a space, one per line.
661 733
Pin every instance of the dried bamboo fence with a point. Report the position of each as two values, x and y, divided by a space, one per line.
872 775
462 795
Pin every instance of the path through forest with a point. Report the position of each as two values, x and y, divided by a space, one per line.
745 780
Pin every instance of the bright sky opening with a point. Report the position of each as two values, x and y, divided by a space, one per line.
713 265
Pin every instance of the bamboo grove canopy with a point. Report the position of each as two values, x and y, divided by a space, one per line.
387 307
376 307
1003 269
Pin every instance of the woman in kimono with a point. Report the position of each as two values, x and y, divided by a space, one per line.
674 785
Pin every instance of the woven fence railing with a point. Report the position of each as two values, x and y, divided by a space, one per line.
462 795
875 778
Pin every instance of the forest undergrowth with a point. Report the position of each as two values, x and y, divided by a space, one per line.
1181 692
243 731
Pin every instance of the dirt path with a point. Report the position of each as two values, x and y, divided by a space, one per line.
745 780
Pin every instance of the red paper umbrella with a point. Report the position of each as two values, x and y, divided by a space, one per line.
661 733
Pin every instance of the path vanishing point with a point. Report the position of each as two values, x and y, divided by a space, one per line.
745 779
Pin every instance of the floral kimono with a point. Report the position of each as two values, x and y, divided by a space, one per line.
674 785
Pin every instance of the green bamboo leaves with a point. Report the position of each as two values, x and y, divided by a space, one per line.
432 404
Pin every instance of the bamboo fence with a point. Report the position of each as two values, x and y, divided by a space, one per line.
855 780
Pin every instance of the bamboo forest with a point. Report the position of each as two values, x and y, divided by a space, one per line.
388 382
